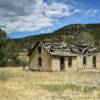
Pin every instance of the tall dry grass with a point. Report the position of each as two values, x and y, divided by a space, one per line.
16 84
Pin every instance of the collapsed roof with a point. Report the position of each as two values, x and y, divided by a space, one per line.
63 49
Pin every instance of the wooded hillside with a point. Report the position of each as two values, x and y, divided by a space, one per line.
77 33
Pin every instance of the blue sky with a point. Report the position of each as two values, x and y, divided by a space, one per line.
22 18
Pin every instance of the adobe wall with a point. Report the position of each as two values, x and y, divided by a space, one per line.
33 60
79 62
74 63
55 63
98 61
46 60
89 62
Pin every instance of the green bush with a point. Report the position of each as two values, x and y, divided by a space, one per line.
17 62
3 63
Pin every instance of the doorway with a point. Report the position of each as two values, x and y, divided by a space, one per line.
69 62
94 61
62 63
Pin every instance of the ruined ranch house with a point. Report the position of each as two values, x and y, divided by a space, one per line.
46 56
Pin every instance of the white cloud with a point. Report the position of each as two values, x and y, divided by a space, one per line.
58 10
77 11
29 23
31 15
91 12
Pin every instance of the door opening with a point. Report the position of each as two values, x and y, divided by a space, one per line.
94 61
62 63
69 62
84 60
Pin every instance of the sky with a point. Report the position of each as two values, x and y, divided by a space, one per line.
21 18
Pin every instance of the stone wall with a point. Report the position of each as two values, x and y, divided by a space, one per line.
46 60
55 63
77 63
98 61
52 63
80 65
89 62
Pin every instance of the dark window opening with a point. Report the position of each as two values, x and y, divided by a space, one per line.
62 63
84 60
94 62
40 61
69 61
39 50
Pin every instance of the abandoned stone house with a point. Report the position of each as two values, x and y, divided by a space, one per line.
47 56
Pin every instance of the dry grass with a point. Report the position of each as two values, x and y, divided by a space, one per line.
16 84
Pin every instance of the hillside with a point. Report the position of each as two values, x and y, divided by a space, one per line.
77 33
78 30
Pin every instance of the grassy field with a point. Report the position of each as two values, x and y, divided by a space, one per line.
16 84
